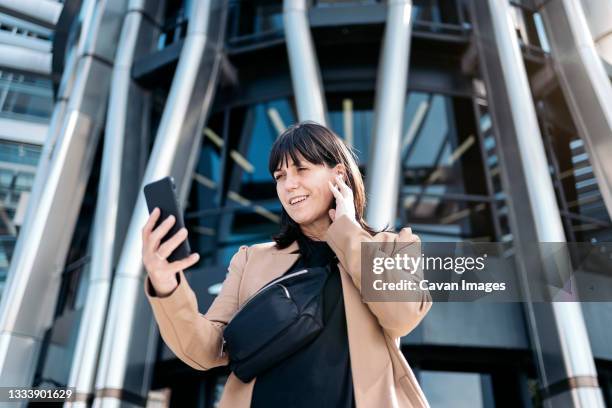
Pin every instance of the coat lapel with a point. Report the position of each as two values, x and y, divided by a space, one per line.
367 363
263 269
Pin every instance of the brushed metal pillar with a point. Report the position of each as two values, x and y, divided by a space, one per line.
598 15
43 12
60 108
120 176
584 81
305 74
129 347
26 60
560 344
383 178
30 295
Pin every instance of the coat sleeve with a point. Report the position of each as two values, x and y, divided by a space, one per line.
196 338
397 318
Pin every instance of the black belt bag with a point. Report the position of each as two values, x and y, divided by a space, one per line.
279 319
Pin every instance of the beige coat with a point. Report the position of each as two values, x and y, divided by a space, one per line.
381 375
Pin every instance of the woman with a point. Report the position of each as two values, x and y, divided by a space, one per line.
355 361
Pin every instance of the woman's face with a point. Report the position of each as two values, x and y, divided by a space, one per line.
304 190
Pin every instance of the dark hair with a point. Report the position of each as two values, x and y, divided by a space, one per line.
318 145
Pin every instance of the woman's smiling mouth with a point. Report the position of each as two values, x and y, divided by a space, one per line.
297 200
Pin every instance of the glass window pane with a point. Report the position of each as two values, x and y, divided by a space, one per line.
456 390
263 133
19 153
24 181
6 178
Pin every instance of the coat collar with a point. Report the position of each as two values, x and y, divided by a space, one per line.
294 247
269 264
289 250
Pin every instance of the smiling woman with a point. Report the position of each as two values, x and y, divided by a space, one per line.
304 161
352 357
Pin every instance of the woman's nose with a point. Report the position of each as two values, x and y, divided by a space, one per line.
291 183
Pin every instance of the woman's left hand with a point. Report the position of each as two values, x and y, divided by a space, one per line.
344 200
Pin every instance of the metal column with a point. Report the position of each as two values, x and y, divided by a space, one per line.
43 12
305 74
59 110
598 15
130 337
24 53
41 249
584 82
559 339
121 174
383 178
27 60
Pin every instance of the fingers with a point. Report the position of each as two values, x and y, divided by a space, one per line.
346 190
159 232
170 245
154 258
184 263
335 191
148 227
341 189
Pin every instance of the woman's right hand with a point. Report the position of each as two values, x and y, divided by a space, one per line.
154 256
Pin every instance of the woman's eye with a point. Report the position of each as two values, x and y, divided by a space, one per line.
302 168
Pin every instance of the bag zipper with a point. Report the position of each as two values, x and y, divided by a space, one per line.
286 290
274 282
269 285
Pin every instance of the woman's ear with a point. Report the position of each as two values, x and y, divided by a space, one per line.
341 170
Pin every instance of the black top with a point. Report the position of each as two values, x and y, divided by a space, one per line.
320 373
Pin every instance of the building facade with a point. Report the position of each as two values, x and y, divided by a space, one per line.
506 118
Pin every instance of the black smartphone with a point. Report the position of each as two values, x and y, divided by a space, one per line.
162 194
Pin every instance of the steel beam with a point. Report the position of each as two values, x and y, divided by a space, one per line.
129 347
